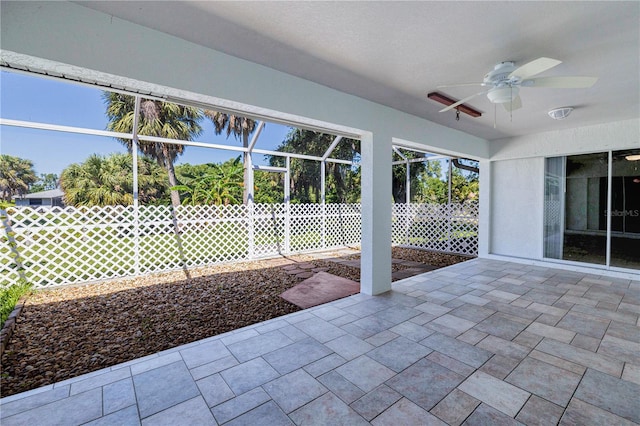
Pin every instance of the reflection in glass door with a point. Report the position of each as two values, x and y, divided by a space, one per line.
580 190
625 209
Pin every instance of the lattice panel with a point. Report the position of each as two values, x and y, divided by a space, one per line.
70 245
267 227
449 228
344 225
306 227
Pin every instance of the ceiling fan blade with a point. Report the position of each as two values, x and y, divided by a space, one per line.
460 102
513 105
562 82
459 85
534 67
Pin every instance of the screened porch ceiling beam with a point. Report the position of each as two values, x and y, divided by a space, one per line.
255 136
107 133
328 152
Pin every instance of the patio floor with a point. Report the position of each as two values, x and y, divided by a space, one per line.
481 342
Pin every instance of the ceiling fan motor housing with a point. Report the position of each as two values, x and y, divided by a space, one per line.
505 87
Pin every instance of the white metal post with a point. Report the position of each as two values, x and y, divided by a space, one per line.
250 206
287 205
609 207
323 189
407 200
449 210
136 206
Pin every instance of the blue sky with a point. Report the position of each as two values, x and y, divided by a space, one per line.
32 98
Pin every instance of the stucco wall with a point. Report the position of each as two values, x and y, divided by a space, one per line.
516 207
517 181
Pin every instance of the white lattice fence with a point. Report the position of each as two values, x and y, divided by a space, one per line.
449 228
56 246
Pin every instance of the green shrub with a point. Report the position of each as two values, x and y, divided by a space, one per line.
9 296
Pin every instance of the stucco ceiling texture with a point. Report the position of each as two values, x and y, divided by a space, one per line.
394 53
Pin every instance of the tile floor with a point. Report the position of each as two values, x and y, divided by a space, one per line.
482 342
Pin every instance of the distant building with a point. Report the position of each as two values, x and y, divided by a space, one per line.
50 198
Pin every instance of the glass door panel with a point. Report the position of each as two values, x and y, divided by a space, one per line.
625 209
585 233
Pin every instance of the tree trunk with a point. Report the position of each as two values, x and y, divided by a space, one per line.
171 173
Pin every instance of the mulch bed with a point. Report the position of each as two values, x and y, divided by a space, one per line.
69 331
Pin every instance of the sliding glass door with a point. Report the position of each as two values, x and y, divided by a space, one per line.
592 208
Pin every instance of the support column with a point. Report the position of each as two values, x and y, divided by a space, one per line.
375 263
484 224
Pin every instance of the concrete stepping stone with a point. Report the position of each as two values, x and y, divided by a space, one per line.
320 288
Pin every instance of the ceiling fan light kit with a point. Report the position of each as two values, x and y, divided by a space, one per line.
505 80
560 113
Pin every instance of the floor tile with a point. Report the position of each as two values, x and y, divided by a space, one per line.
177 386
239 405
539 412
504 347
581 356
76 409
494 392
125 417
425 383
631 373
328 406
117 395
455 407
410 330
461 351
501 326
349 346
293 390
34 401
472 336
341 387
325 364
459 324
266 414
98 380
545 380
499 366
365 373
580 413
472 313
617 396
399 353
556 333
259 345
452 364
376 401
214 390
584 324
405 412
213 367
486 415
296 355
191 412
248 375
620 349
204 353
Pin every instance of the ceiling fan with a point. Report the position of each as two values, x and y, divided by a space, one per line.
505 80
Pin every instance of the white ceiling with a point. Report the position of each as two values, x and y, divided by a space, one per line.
394 53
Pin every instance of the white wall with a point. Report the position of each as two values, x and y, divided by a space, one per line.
516 198
516 207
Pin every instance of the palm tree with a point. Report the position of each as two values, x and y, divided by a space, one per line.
104 181
157 118
16 174
240 127
220 184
